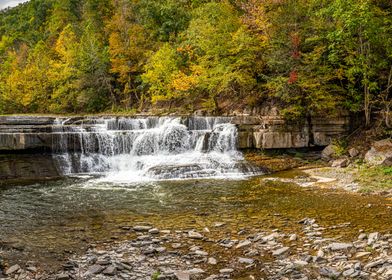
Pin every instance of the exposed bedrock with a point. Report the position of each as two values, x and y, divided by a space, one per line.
258 131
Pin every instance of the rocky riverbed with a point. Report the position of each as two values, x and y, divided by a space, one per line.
212 253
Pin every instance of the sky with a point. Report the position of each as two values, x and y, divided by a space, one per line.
10 3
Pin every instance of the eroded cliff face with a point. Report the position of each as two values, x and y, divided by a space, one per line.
256 130
274 132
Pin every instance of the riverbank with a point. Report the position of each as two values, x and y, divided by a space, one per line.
214 254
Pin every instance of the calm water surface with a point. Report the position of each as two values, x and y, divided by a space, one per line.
48 221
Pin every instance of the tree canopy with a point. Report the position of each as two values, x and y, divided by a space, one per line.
306 56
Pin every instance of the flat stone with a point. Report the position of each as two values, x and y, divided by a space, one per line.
142 228
153 231
348 272
329 272
212 261
95 269
12 269
342 162
362 254
110 270
62 276
280 251
246 260
340 246
182 275
226 270
195 235
374 264
243 244
201 253
194 271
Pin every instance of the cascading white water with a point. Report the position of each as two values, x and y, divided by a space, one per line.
151 148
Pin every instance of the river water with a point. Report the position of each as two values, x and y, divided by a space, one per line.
166 172
49 221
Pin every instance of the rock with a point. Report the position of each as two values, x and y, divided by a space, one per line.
329 272
182 275
95 269
374 264
353 152
348 272
194 271
195 235
13 269
362 236
280 251
301 263
212 261
293 237
329 152
142 228
380 153
226 270
342 162
201 253
340 246
62 276
362 254
110 270
243 244
373 237
246 260
153 231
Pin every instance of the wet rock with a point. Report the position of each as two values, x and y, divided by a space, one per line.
280 251
13 269
195 235
340 246
243 244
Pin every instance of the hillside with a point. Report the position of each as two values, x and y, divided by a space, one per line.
307 56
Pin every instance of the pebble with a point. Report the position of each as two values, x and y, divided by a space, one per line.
12 269
280 251
195 235
340 246
243 244
142 228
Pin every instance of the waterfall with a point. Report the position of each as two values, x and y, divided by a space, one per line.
149 148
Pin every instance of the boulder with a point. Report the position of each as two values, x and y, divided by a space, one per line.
380 153
329 152
342 162
353 152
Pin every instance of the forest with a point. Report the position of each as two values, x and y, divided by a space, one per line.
88 56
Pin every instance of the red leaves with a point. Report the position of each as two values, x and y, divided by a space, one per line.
293 77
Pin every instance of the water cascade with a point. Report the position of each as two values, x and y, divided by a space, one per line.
149 148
